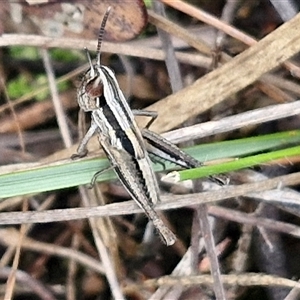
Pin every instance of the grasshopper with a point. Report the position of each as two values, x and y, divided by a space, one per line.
120 137
126 146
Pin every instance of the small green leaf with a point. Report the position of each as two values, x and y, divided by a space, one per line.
18 52
19 86
65 55
148 3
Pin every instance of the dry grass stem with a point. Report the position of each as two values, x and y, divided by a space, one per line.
9 237
117 48
169 202
227 124
58 107
248 279
211 20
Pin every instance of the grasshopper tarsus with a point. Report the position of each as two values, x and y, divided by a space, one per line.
157 161
97 174
90 185
79 155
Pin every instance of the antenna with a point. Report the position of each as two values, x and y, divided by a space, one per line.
89 60
101 33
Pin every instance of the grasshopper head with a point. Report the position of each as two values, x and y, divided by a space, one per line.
91 87
90 90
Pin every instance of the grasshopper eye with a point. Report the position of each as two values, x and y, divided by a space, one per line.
94 88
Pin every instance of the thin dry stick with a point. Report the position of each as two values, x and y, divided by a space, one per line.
202 212
227 17
172 28
183 268
10 237
210 19
247 279
130 49
67 139
72 269
241 257
10 284
6 257
110 269
209 241
293 294
286 199
36 286
168 202
171 61
283 83
130 73
256 116
59 111
10 106
243 218
286 9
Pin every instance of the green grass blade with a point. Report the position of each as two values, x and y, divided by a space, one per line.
245 146
238 164
50 177
30 178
